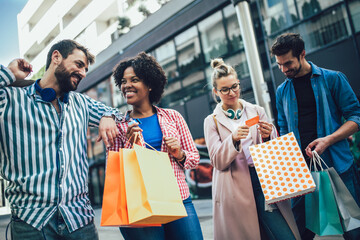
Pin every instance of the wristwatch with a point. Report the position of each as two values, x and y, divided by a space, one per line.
115 116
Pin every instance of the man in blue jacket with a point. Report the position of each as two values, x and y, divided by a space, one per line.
311 102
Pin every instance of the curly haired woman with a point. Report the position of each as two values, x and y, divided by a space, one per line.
142 80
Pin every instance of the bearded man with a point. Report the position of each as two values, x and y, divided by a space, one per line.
43 145
311 102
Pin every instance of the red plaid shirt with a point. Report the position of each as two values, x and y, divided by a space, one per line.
172 124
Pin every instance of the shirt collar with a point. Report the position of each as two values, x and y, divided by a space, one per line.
315 70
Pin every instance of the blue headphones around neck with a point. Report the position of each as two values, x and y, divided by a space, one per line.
49 94
232 114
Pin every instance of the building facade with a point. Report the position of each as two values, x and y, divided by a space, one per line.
185 35
93 23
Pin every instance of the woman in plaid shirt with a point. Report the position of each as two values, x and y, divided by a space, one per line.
142 80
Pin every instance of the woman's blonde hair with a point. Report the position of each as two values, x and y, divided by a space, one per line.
220 69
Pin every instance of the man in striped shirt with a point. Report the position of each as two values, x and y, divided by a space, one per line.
43 145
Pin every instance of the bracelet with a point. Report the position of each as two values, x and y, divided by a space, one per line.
181 159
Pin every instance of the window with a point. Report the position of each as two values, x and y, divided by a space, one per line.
307 8
172 95
117 96
278 14
233 28
188 50
354 6
213 37
166 57
331 26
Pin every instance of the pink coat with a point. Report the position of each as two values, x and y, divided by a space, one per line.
234 208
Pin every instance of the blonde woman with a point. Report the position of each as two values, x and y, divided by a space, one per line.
239 206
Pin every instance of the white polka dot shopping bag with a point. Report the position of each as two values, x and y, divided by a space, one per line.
281 169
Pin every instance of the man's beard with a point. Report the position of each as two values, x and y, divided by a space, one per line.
64 79
294 72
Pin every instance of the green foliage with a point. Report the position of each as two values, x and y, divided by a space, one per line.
124 22
39 74
142 8
310 8
355 147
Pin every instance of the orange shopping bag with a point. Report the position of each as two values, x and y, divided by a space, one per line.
114 207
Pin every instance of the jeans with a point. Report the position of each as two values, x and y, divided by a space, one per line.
351 180
54 229
182 229
273 223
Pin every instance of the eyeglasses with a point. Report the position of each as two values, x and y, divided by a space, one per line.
226 90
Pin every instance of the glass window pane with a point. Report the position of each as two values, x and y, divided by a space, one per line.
233 28
278 14
192 86
188 50
307 8
239 63
117 97
172 94
166 56
213 36
208 72
101 92
329 27
354 6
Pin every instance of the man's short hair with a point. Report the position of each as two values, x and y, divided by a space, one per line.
286 42
66 47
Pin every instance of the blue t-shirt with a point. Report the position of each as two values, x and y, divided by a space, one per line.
151 131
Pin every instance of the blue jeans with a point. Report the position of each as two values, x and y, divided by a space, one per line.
55 229
273 223
351 180
182 229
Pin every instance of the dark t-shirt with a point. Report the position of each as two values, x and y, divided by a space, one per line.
306 110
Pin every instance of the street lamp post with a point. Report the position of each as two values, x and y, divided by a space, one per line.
258 83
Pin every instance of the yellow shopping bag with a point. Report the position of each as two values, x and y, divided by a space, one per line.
152 193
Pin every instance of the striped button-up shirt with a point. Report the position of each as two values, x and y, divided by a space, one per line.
43 154
172 124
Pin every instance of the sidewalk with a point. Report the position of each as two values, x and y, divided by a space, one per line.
203 209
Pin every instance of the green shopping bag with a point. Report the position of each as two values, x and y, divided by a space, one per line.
321 212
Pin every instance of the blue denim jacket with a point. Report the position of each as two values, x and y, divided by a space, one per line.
334 99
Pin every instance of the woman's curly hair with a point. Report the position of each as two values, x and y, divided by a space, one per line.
148 70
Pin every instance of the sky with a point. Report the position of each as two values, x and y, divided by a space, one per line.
9 44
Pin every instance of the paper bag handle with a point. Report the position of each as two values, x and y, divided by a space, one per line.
127 144
316 159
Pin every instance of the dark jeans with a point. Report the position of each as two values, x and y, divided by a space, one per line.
351 180
54 229
272 223
182 229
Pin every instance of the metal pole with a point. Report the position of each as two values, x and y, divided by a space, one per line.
258 83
